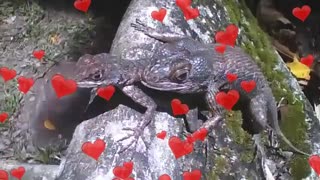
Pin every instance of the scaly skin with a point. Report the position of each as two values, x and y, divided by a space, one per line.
94 71
184 65
103 69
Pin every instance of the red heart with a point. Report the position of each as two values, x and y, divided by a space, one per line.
3 117
187 10
63 87
193 175
123 171
227 100
180 148
95 149
307 60
190 138
183 3
38 54
178 108
220 48
231 77
200 134
7 74
301 13
106 92
159 15
25 84
129 178
164 177
18 173
248 86
229 36
190 13
4 175
82 5
162 134
314 162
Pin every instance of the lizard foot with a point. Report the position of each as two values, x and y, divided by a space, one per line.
139 26
136 135
137 132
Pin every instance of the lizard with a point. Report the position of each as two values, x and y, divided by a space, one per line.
94 71
185 65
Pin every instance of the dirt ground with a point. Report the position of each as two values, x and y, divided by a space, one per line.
63 32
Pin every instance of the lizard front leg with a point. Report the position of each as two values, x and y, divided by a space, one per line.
141 98
216 111
193 122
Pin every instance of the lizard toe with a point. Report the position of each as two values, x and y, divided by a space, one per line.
135 135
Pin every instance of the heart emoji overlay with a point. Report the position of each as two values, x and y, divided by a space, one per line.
106 92
178 108
62 86
25 84
301 13
159 15
94 149
7 74
124 171
180 148
227 100
82 5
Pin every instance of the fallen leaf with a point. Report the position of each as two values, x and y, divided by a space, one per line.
298 69
49 125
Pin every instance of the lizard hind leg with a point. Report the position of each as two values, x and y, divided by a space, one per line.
158 34
255 115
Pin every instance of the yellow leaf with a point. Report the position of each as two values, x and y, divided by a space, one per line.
49 125
298 69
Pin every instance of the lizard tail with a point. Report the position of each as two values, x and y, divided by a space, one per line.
275 126
284 138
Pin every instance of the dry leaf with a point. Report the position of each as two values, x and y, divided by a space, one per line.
49 125
298 69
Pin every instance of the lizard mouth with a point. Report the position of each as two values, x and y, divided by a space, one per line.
163 86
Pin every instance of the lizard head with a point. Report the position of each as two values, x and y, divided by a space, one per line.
182 72
92 70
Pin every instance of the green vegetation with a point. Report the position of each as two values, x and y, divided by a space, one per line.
259 46
61 37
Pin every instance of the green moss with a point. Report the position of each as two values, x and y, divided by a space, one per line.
247 156
234 122
213 176
260 48
241 137
222 166
10 99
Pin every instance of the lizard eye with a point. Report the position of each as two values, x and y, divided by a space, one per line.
97 75
181 75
